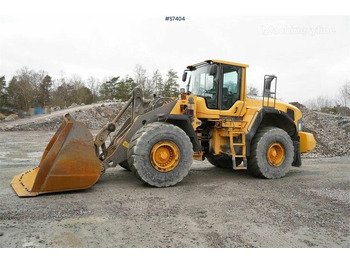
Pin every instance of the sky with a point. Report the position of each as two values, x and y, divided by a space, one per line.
309 53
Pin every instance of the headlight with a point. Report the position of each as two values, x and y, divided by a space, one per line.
300 125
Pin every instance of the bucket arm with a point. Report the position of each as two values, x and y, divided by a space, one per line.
137 107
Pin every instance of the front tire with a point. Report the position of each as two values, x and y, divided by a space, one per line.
160 154
271 153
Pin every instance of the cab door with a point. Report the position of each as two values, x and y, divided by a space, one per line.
231 102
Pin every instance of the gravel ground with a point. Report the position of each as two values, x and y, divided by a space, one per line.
211 207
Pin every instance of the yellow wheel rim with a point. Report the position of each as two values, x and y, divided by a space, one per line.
165 156
275 154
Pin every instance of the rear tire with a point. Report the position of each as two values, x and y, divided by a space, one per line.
271 153
160 154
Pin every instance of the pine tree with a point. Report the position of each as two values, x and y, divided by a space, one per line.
109 88
171 87
116 87
124 88
44 91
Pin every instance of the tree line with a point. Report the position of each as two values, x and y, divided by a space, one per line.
29 88
342 99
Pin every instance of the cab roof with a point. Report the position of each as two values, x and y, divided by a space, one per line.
217 61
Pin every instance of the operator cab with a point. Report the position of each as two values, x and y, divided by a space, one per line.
218 82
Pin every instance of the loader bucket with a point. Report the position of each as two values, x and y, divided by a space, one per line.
68 163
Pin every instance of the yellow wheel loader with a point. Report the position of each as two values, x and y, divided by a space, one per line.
212 119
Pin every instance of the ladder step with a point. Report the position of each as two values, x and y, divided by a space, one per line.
240 168
238 144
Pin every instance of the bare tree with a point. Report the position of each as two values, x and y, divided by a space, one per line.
320 102
94 85
140 77
76 82
323 101
253 91
344 94
157 82
25 88
62 93
143 81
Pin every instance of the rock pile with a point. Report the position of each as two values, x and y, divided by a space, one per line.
332 132
94 118
97 116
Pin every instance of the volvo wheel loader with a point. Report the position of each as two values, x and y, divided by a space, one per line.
212 119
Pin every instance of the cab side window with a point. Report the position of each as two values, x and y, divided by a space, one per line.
231 86
207 87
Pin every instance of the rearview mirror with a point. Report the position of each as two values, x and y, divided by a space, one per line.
184 76
213 70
